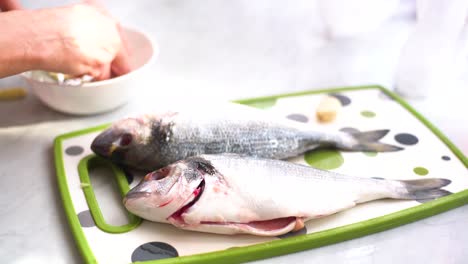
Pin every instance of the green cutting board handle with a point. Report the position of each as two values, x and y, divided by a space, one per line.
91 162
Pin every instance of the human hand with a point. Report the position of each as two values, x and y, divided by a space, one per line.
77 40
8 5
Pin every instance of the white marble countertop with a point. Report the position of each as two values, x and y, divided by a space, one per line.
224 50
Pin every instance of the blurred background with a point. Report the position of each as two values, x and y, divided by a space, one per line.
236 49
271 47
228 50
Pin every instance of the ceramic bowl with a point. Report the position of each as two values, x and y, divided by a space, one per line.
101 96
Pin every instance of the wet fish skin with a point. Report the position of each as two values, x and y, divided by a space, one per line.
230 194
153 141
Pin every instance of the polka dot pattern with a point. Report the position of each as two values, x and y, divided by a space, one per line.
349 130
325 159
406 139
368 114
298 117
421 171
344 100
370 153
74 150
154 251
86 219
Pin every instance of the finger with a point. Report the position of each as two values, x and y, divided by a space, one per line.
121 63
104 73
9 5
100 72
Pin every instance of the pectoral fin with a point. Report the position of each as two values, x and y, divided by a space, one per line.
273 227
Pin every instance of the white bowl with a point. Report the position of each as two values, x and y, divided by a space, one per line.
102 96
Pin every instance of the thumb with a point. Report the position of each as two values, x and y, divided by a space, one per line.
103 74
121 64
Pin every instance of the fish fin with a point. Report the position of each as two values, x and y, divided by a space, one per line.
272 227
425 184
429 194
366 141
422 189
373 135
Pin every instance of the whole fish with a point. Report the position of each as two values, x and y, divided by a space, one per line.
229 194
153 141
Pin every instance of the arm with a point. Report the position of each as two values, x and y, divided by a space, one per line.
8 5
16 51
75 40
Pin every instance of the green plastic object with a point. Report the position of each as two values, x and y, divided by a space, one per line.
286 245
84 166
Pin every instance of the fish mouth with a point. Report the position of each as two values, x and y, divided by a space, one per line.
197 193
270 227
135 195
103 145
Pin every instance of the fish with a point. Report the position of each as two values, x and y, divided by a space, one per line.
235 194
152 141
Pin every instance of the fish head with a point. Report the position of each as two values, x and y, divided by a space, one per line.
162 193
127 141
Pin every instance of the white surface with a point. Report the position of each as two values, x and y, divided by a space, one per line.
223 50
103 96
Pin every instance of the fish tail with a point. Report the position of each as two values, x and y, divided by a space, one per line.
366 141
421 189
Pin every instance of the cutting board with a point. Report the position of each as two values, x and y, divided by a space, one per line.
92 188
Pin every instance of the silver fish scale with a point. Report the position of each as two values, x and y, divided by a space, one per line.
242 138
165 138
294 170
180 136
275 189
242 189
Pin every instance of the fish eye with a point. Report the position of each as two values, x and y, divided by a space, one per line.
158 175
126 139
162 173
